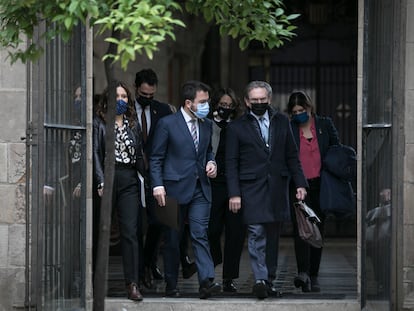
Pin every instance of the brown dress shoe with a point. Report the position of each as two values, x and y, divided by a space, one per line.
133 292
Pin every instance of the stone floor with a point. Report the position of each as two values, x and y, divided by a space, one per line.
338 275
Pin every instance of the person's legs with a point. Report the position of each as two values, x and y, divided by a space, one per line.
171 255
235 233
315 254
215 226
256 242
187 265
198 218
272 249
302 250
152 238
128 211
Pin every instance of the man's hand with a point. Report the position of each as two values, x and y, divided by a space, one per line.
159 195
300 194
235 204
211 169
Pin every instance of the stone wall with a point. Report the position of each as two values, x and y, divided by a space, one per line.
12 183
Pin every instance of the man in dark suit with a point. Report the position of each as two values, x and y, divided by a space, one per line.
181 164
149 111
261 158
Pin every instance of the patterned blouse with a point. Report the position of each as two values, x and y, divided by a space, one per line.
124 145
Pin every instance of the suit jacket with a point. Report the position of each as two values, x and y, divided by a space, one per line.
174 162
326 133
258 173
157 111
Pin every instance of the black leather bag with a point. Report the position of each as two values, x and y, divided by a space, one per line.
307 222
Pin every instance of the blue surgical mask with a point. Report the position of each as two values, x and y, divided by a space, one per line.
301 118
202 110
121 107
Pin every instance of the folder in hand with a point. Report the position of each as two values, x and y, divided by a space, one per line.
169 214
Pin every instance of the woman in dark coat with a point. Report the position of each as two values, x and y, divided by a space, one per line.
313 135
126 185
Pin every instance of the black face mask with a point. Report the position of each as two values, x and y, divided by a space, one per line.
224 113
144 101
259 109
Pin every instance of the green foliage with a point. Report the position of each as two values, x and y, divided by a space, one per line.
18 19
142 24
260 20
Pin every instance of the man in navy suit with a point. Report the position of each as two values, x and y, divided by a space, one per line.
261 158
181 164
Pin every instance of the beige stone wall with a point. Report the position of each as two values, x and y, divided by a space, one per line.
12 183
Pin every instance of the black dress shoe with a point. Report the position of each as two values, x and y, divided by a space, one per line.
315 286
229 286
173 293
189 270
207 288
156 273
272 290
302 280
133 292
260 289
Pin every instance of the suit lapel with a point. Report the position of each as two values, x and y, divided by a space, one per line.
253 126
184 129
154 118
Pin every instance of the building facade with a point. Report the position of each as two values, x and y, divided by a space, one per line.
45 147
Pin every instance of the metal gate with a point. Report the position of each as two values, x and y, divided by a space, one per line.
56 139
377 159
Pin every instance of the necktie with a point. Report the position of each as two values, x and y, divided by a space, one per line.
264 129
144 126
194 133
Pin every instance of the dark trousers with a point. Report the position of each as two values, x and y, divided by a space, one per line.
154 234
308 258
197 212
234 232
126 198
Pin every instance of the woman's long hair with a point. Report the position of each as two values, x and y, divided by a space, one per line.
102 106
215 100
